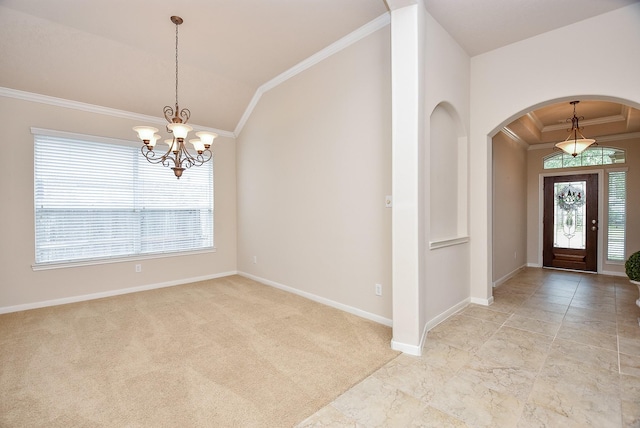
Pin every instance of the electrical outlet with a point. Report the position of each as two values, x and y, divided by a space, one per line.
255 260
378 289
138 268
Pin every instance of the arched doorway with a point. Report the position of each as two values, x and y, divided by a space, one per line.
517 168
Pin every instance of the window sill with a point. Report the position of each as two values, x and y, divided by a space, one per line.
95 262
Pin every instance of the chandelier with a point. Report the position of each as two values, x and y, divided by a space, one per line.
576 145
177 154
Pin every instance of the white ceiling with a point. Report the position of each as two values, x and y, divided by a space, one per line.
480 26
228 48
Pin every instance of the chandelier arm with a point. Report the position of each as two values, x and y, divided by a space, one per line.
154 158
168 114
198 159
185 114
188 157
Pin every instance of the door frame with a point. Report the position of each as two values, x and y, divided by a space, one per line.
601 219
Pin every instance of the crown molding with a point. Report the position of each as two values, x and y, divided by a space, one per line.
617 137
589 122
602 139
362 32
534 118
92 108
512 135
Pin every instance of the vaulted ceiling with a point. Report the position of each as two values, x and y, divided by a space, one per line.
120 53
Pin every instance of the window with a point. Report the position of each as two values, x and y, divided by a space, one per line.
97 200
591 156
616 215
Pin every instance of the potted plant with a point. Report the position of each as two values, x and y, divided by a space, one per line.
632 268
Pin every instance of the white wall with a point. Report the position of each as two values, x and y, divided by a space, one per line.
447 77
512 80
509 207
430 73
20 286
314 168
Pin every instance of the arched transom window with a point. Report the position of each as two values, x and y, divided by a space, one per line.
591 156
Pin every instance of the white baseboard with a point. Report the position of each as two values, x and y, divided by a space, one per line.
534 265
92 296
483 302
411 349
508 276
406 348
417 350
612 273
446 314
320 299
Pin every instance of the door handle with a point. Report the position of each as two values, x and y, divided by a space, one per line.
594 228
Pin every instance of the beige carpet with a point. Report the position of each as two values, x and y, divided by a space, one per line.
228 352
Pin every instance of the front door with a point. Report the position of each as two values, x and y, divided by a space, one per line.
570 229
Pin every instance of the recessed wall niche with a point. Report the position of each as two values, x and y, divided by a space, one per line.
448 184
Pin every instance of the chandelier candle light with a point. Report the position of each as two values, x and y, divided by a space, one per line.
177 153
576 145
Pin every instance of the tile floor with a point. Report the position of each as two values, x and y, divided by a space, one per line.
556 349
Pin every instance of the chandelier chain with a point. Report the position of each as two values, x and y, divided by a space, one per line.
176 65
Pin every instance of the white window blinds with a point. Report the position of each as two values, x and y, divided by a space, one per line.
616 215
98 201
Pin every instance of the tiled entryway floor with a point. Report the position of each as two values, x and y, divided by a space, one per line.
556 349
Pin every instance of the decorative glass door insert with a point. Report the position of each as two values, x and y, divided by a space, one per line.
569 215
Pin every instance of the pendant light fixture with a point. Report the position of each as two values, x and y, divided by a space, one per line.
574 146
177 155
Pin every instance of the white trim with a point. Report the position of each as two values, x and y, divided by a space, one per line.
406 348
433 245
483 302
620 169
512 135
92 108
612 273
133 258
417 349
534 265
92 296
587 122
362 32
320 299
508 276
449 313
77 136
